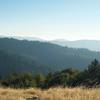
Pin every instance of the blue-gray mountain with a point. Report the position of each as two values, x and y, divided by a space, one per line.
93 45
40 57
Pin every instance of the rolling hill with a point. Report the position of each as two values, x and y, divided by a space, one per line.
11 63
41 57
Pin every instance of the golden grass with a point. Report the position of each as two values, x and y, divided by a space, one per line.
50 94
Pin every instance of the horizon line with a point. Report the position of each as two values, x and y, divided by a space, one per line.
43 39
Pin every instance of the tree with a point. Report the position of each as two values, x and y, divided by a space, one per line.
20 80
91 75
39 79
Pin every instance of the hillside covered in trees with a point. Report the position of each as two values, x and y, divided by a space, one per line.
40 57
89 77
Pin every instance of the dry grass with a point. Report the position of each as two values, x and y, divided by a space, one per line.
50 94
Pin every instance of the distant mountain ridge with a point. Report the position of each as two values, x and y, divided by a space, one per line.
41 57
93 45
28 38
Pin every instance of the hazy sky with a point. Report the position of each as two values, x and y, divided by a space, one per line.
51 19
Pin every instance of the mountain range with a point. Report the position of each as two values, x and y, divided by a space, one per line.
93 45
41 57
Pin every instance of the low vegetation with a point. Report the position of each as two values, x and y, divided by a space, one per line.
50 94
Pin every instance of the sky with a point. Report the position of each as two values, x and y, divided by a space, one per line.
51 19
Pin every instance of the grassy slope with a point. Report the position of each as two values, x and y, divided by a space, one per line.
50 94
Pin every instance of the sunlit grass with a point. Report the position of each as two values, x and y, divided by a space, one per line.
50 94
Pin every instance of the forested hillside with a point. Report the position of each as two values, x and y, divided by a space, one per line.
70 77
11 63
35 56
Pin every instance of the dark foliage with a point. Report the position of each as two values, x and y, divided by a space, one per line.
70 77
89 77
